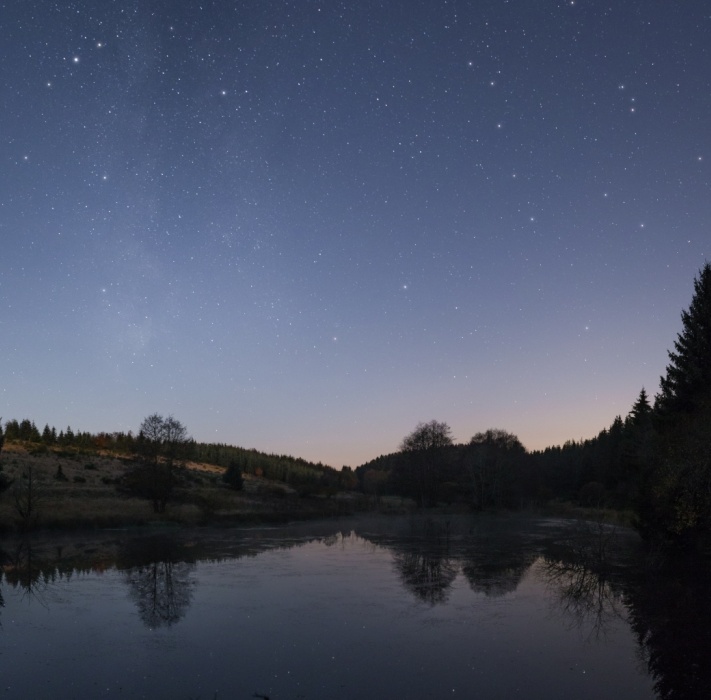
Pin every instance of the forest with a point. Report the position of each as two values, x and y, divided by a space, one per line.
654 464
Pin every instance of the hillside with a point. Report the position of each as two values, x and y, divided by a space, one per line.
75 487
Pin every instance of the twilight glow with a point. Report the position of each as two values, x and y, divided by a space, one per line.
306 226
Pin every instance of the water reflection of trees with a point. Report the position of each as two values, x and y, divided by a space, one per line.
496 559
670 613
3 559
25 568
580 576
598 581
496 569
427 573
592 571
493 560
161 579
586 597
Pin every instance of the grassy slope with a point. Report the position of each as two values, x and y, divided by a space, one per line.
89 497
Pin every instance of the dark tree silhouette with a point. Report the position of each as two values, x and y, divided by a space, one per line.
687 383
491 460
427 436
162 443
233 476
29 494
675 491
425 447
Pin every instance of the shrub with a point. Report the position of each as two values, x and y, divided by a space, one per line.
233 477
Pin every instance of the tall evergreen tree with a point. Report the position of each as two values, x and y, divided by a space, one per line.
687 384
641 410
637 452
47 435
675 497
12 430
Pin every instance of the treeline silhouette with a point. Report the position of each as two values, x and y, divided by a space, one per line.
306 477
656 462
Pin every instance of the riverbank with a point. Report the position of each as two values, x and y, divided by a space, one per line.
75 490
82 490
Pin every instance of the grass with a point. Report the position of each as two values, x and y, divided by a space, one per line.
85 496
566 509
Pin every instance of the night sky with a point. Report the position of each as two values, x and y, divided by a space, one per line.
306 226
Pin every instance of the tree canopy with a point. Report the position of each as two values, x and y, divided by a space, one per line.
427 436
162 442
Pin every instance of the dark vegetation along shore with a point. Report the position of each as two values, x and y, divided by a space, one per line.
651 468
79 480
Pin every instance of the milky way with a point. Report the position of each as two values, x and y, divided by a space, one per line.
306 226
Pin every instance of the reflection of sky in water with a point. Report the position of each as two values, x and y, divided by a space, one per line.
311 621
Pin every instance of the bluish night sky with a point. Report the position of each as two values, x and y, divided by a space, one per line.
306 226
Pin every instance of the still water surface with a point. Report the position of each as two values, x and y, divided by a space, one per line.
490 607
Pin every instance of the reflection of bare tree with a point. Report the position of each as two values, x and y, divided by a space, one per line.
585 596
428 574
160 579
162 590
22 568
3 558
580 576
29 493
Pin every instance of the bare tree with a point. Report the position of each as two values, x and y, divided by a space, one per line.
5 481
425 446
28 494
162 444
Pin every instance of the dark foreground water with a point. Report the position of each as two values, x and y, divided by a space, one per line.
407 609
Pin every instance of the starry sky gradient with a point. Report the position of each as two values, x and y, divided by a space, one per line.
306 226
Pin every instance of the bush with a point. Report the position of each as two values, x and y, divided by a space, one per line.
5 481
233 477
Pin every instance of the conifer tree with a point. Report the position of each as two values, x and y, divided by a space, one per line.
675 499
687 384
641 410
47 435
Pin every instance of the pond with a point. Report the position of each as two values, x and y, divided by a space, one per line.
487 607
